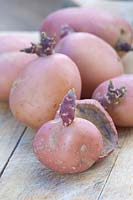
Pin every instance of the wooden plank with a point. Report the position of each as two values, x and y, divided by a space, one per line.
10 133
26 179
120 182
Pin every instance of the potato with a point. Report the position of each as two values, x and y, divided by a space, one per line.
110 28
68 144
38 91
118 101
15 42
70 149
97 61
11 65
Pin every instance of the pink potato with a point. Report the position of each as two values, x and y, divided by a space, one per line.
15 42
112 29
69 149
96 60
11 65
38 91
117 99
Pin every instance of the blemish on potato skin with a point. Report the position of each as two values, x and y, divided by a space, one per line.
40 146
118 59
54 138
83 148
59 161
55 105
122 31
16 83
73 168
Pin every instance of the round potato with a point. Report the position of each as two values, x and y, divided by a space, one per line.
70 149
38 91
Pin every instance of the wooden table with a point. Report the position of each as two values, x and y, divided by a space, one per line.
22 177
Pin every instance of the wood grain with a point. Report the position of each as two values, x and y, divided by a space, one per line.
10 133
26 179
120 182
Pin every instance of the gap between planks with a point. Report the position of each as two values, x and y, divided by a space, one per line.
10 156
120 180
110 172
10 133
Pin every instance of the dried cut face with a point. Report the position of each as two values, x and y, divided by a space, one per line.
92 111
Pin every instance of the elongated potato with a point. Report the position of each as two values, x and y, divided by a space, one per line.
11 65
110 28
38 91
97 61
15 42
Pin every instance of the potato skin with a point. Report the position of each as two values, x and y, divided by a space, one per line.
122 113
69 149
127 61
96 60
100 23
11 65
15 42
38 91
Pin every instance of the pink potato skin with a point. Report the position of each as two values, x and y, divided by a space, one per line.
97 61
127 61
14 42
122 113
69 149
100 23
11 65
38 91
